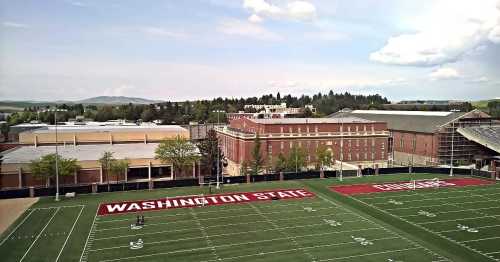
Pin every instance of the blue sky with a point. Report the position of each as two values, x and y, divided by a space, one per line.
178 50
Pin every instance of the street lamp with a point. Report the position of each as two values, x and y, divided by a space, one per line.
341 142
55 110
218 149
452 140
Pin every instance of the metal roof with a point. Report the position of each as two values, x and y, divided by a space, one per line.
332 120
416 121
488 136
135 128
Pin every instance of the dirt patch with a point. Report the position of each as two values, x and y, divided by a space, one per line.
11 209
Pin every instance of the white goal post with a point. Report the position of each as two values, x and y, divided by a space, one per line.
425 183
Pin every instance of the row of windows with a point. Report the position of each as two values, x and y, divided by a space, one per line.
316 129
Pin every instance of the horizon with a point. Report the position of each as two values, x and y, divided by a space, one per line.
205 49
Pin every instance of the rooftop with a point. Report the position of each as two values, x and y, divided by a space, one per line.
134 128
488 136
350 119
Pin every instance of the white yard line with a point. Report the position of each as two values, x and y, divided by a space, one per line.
213 218
234 224
204 234
371 254
387 230
245 243
71 231
419 225
294 241
454 211
83 257
15 229
187 214
480 239
39 234
237 257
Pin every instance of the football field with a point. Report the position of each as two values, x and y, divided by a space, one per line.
323 226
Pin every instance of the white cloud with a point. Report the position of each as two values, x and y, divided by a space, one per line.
296 10
14 25
450 30
444 73
255 18
482 79
247 29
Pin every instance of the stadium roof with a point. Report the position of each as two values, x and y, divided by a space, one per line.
26 154
80 129
488 136
416 121
331 120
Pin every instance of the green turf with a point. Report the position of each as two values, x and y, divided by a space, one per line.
267 231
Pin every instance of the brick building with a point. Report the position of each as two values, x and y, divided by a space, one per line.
424 137
365 142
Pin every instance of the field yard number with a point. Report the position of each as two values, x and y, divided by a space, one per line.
136 245
426 213
309 209
362 241
392 201
467 228
332 223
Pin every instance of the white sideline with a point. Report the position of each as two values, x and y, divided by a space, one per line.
71 231
88 236
39 234
233 224
52 207
18 225
212 218
249 242
187 214
229 245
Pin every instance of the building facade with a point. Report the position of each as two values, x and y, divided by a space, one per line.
425 137
352 140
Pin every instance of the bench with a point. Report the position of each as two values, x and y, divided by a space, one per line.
70 194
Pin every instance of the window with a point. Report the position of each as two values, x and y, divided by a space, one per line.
366 155
290 130
357 142
349 156
366 141
357 156
281 130
357 129
316 129
282 146
299 131
348 128
401 143
299 143
373 155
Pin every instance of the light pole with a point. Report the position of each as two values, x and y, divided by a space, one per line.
341 142
218 149
55 110
452 140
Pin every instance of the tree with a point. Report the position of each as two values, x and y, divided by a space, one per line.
257 160
209 148
296 159
45 167
244 168
4 129
112 166
178 151
323 157
280 164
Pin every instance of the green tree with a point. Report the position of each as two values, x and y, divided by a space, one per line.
209 148
280 164
45 167
296 159
257 159
4 129
323 157
179 152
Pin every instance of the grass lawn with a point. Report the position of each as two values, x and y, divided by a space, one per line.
326 227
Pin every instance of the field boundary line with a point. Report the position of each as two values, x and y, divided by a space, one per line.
53 207
480 239
451 220
386 229
457 230
371 254
248 242
294 241
446 204
69 234
17 226
88 236
422 227
233 224
460 210
425 199
39 234
212 218
187 214
250 255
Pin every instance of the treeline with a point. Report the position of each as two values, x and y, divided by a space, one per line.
201 110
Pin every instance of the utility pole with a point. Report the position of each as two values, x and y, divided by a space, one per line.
218 150
341 142
452 140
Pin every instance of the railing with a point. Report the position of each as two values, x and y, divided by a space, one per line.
302 134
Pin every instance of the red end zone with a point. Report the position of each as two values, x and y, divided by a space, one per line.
401 186
194 201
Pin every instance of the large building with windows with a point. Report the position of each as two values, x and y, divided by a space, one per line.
425 137
355 141
87 144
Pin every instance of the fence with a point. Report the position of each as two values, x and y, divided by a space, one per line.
114 187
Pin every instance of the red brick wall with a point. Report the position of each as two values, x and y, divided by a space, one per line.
88 176
426 144
9 180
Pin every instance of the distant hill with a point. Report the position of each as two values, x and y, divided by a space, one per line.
483 103
116 100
